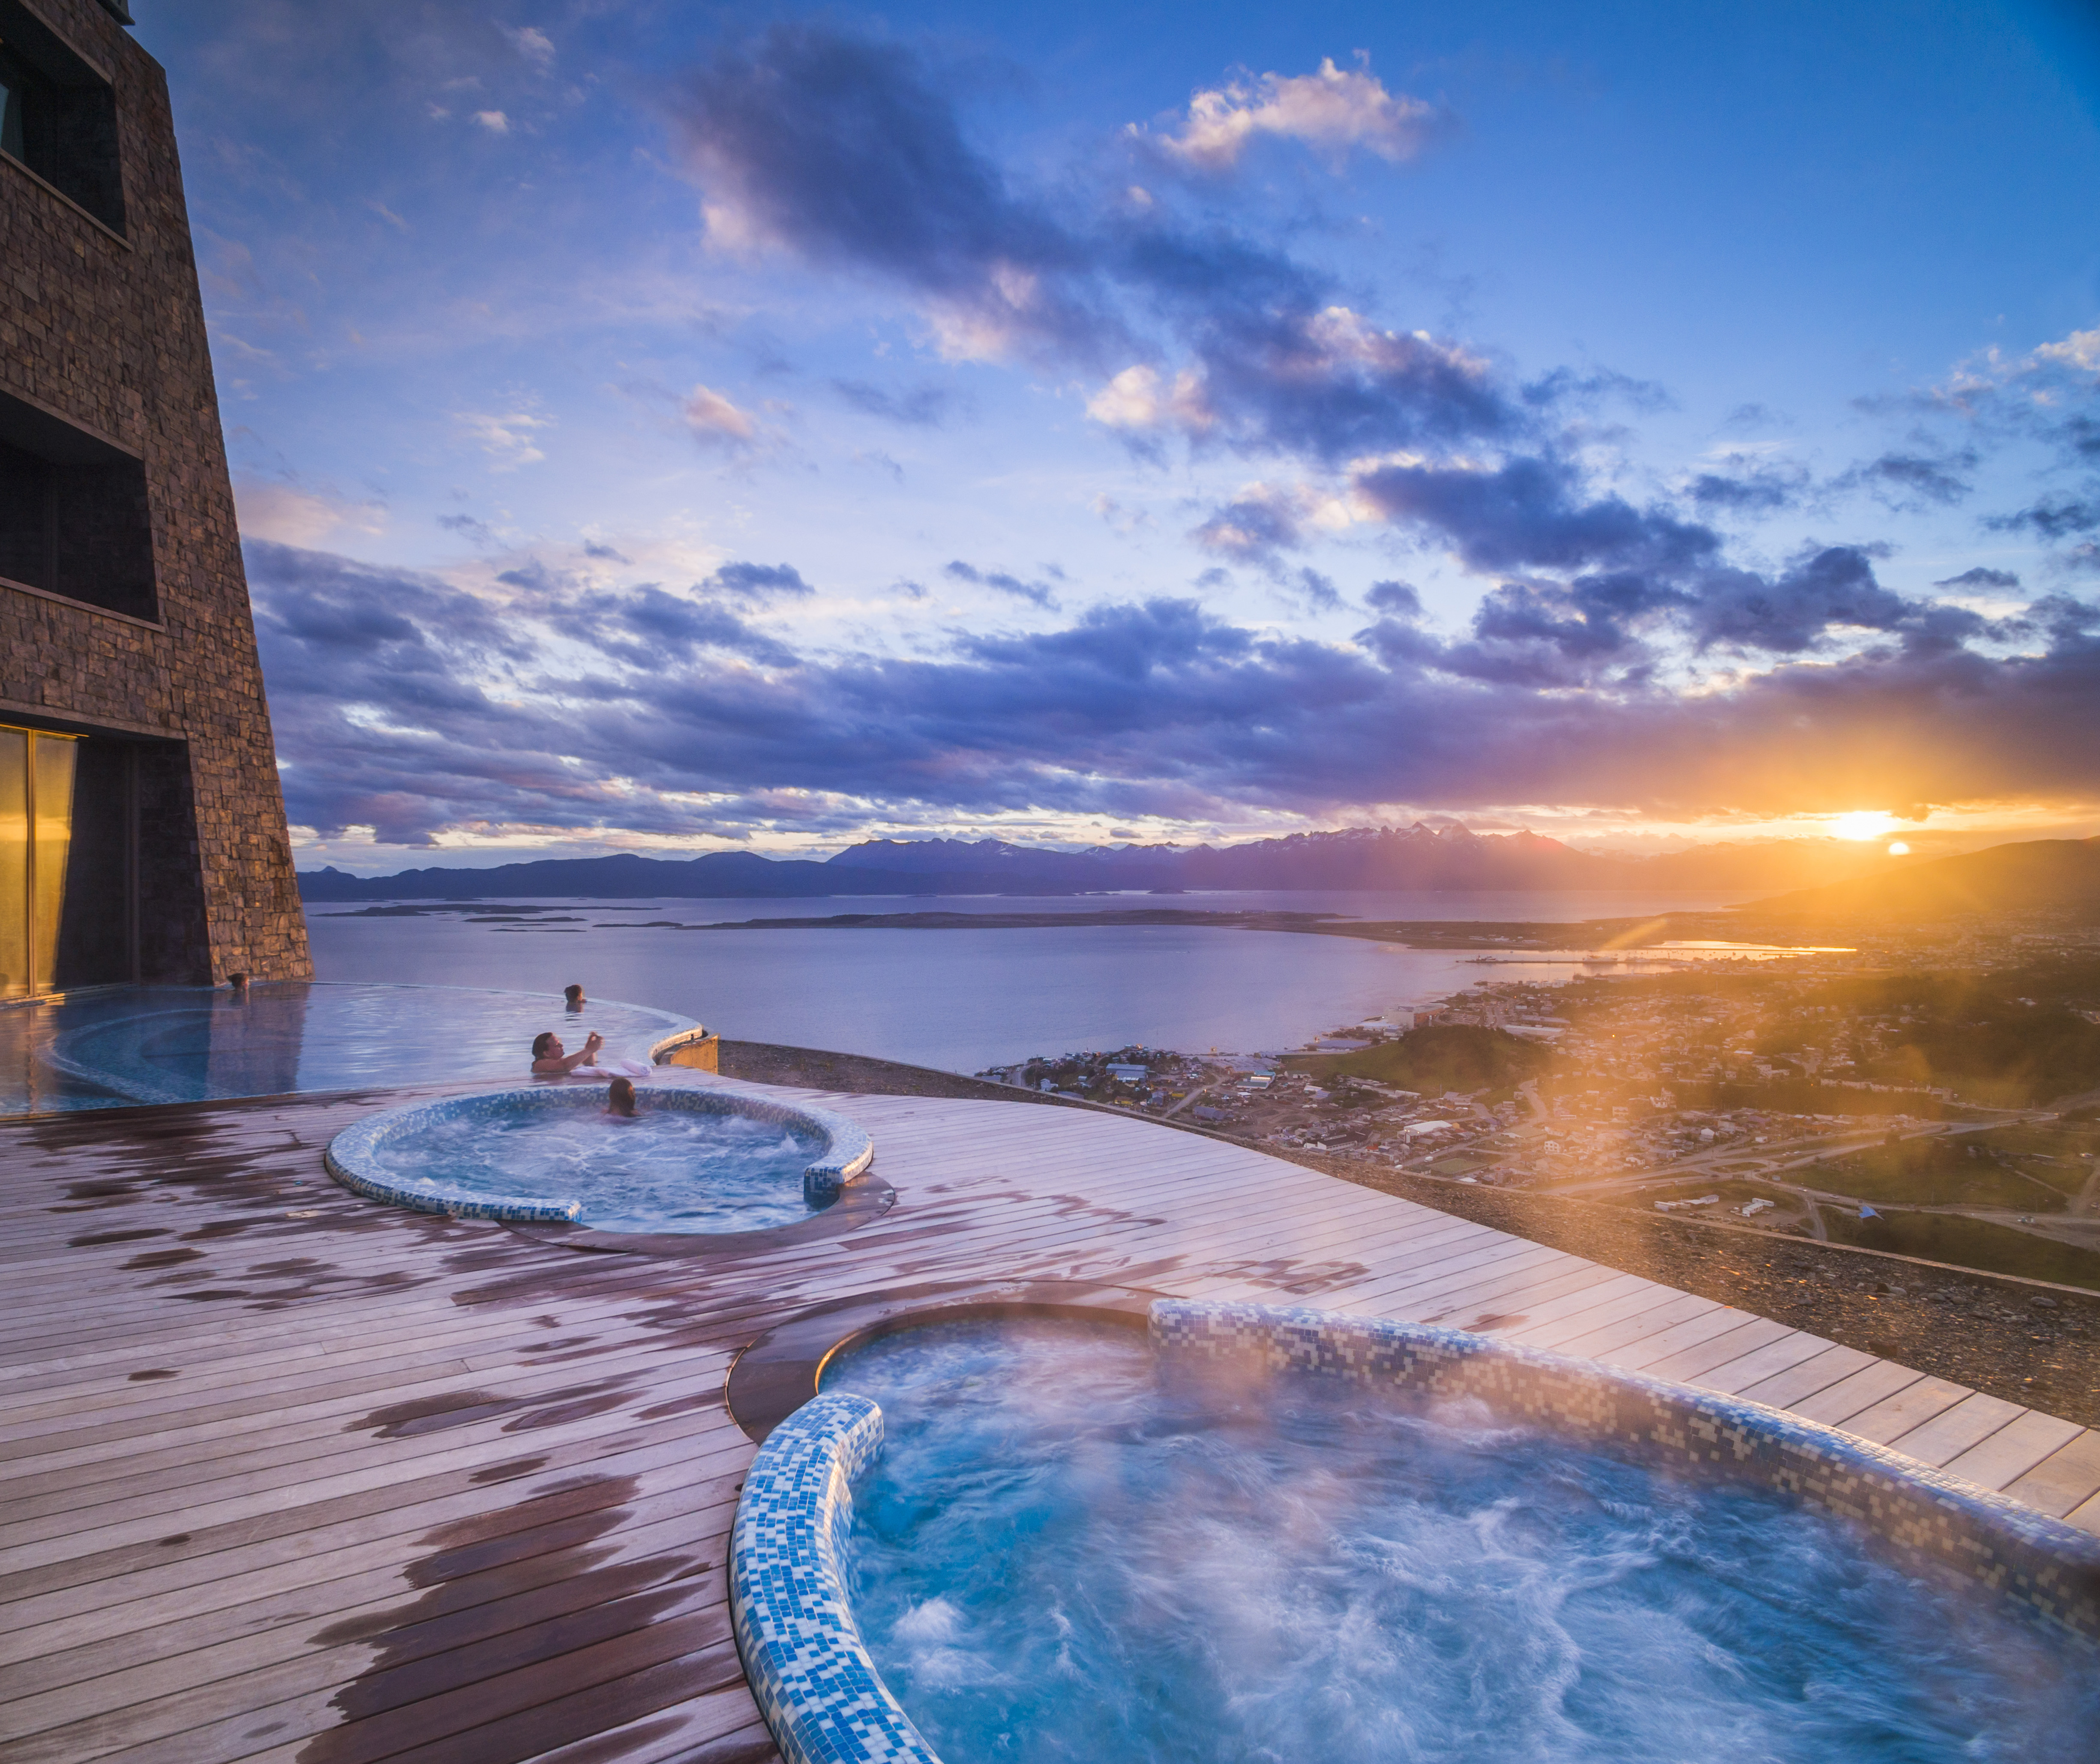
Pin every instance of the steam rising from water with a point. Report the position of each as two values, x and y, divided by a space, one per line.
1067 1554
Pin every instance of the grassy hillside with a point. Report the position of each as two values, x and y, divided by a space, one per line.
2044 873
1439 1057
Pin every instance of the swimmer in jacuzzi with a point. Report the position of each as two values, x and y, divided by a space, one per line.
619 1099
549 1062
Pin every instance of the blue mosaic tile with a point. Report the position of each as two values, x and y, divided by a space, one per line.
356 1156
826 1703
809 1672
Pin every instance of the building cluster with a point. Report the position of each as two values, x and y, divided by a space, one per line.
1732 1089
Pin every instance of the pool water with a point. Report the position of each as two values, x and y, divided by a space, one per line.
1069 1552
117 1045
665 1169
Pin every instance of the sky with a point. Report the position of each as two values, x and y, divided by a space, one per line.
664 427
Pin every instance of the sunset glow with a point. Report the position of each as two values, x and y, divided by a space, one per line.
764 429
1864 823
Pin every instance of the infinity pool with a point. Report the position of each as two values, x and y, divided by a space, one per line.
1067 1551
120 1045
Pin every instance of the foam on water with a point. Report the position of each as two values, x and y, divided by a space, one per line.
667 1170
1066 1553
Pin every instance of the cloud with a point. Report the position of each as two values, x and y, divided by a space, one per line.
1792 613
1139 399
494 121
1748 485
923 406
2053 518
1532 511
841 149
404 703
756 584
668 629
272 508
476 531
1317 592
507 438
847 152
1332 111
532 43
1254 526
714 417
1915 480
1980 578
1396 600
1036 593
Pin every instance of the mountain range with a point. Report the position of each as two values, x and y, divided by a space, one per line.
1417 858
2036 876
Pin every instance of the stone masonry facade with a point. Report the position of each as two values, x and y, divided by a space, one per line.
105 329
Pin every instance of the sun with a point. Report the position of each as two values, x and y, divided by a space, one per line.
1898 849
1864 823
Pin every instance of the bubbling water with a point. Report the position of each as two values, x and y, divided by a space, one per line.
662 1170
1069 1552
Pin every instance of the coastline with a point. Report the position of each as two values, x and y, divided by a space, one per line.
1981 1330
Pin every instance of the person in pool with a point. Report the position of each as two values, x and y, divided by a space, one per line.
574 997
619 1098
549 1062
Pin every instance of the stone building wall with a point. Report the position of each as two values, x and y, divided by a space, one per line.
107 331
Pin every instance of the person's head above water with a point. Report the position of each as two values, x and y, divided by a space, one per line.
550 1058
575 995
620 1096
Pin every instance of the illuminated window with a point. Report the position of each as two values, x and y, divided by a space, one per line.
35 848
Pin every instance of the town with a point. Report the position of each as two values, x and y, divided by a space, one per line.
1928 1096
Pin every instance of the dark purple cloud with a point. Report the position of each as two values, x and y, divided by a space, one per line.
1533 513
2052 517
849 152
1914 479
403 703
757 583
1980 578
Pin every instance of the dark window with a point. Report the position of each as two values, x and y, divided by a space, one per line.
73 517
58 116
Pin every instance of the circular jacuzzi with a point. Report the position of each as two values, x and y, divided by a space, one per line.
691 1161
1235 1532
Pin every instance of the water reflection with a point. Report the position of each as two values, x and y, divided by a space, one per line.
119 1045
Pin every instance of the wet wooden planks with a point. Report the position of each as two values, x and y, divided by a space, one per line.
288 1476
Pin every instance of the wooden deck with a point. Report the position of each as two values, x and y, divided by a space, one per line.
290 1476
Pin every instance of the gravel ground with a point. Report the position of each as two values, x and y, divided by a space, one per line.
2012 1339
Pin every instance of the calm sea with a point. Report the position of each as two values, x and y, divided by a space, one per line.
962 1000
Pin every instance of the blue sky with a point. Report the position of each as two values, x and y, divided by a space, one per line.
663 426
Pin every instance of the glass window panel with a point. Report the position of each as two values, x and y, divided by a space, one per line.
51 762
14 863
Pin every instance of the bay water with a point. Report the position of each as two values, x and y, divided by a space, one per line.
962 999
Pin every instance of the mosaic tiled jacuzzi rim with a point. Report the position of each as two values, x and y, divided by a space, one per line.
356 1156
826 1703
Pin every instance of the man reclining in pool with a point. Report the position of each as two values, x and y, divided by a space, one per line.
549 1062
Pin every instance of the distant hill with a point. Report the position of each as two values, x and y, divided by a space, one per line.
2042 875
1384 859
1436 1058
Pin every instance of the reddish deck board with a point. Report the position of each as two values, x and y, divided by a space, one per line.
287 1475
